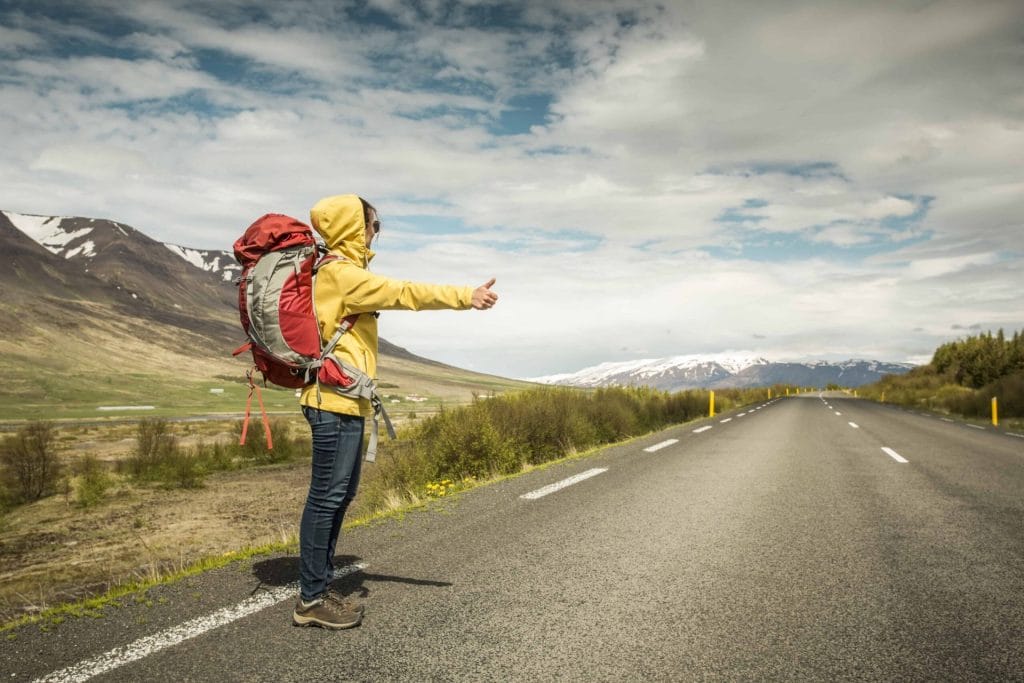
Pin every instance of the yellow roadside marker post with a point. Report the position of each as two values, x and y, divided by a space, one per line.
711 405
995 412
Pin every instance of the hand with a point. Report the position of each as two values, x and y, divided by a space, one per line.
483 297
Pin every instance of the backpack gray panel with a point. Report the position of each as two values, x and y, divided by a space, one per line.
267 280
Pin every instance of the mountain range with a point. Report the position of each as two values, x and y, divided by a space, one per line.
93 309
726 371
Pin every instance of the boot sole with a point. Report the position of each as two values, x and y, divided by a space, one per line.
312 621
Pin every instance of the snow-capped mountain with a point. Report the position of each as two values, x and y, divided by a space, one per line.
726 370
677 372
74 262
81 238
164 277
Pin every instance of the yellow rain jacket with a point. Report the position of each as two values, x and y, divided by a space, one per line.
345 287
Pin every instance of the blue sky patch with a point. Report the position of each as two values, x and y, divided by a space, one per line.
769 246
523 112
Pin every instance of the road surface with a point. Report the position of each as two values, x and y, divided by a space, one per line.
809 538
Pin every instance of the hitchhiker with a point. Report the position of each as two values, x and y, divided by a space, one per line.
348 225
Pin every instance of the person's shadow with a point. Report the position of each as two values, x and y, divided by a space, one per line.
281 571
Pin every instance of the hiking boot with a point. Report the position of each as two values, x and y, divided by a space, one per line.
347 603
327 611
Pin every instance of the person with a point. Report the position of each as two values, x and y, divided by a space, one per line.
348 224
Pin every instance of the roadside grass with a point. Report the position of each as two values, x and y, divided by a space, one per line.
93 607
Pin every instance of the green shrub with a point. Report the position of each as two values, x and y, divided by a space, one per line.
31 468
183 470
93 481
256 449
155 448
502 434
216 457
1010 393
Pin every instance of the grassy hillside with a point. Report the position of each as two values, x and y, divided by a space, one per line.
99 357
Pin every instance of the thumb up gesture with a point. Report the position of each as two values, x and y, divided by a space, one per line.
483 297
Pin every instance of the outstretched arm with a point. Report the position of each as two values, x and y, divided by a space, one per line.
354 290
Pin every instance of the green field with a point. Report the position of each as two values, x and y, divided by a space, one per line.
52 395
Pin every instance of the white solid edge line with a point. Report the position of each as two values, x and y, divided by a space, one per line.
702 429
728 419
854 425
659 446
894 455
557 486
143 647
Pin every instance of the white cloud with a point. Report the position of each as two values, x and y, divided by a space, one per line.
889 206
842 121
12 39
89 159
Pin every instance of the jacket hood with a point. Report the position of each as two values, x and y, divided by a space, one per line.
339 221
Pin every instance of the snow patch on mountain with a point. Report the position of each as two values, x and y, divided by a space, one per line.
210 261
87 248
59 239
48 233
36 227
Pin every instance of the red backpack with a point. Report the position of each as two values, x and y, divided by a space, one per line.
280 258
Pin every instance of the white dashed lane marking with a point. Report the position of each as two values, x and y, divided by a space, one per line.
894 455
558 486
701 429
659 446
728 419
144 647
854 425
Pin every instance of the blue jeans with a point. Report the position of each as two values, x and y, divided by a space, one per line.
337 457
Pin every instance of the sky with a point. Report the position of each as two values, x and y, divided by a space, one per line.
795 180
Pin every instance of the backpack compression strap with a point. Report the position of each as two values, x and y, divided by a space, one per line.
253 388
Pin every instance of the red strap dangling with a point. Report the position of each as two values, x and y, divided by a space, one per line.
253 388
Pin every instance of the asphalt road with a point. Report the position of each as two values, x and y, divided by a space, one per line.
780 544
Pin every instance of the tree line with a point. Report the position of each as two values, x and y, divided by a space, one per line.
978 361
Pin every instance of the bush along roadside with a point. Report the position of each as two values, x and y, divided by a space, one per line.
962 379
506 434
159 459
30 468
